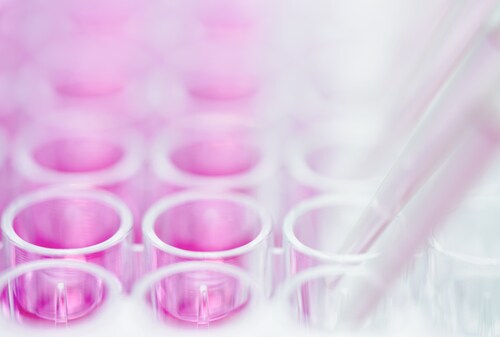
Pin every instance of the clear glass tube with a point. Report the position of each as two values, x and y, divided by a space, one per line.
463 270
69 224
209 226
56 293
315 230
198 293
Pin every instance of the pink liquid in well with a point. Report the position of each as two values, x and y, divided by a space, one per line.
207 226
199 297
218 157
78 155
53 225
52 296
92 162
66 223
204 226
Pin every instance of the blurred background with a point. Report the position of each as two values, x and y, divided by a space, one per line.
280 103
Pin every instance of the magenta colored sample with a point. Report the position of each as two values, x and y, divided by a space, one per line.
199 296
65 223
55 292
77 155
235 157
201 293
215 151
82 291
90 160
205 226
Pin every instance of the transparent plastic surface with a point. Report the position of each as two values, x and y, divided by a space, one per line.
463 277
109 161
198 293
55 292
214 150
327 159
69 224
209 226
315 230
315 299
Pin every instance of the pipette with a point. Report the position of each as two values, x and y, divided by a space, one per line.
433 205
454 38
432 141
445 52
472 130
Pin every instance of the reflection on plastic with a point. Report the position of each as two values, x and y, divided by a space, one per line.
55 292
199 293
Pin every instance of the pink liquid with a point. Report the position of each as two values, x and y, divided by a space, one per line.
86 161
78 155
52 296
74 224
217 157
205 229
205 226
199 297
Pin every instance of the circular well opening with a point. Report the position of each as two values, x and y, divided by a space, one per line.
66 223
208 225
55 292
